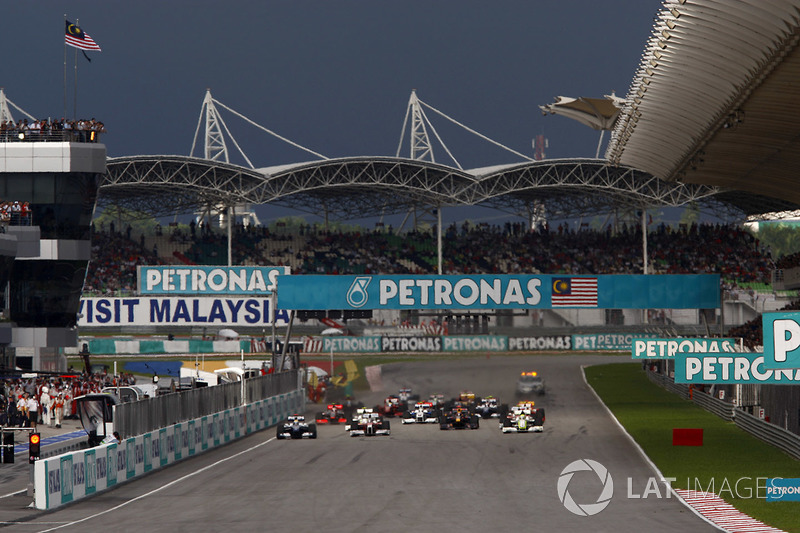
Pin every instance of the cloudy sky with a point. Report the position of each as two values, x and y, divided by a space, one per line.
334 76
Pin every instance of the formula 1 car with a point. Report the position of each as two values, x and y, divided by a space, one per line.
296 427
407 397
523 418
367 423
458 416
392 407
423 413
466 398
488 407
334 414
437 400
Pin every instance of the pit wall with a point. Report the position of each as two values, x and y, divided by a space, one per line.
75 475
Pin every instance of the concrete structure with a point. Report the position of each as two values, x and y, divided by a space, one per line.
45 253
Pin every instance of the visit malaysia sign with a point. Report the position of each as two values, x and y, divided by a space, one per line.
179 311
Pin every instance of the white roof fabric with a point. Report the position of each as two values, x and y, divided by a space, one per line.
714 99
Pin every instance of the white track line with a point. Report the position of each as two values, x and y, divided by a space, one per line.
173 482
641 452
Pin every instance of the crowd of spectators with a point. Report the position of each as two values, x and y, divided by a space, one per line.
27 402
82 130
15 213
727 250
694 249
114 260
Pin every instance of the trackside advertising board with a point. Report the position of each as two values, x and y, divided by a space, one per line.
208 280
781 339
74 475
605 341
783 490
178 311
725 369
317 292
647 348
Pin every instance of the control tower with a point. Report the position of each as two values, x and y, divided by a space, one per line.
49 178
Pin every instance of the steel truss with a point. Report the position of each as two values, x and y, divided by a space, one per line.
360 187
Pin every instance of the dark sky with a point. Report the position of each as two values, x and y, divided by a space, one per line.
334 76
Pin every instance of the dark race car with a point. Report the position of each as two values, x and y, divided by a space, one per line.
458 416
367 423
488 407
334 414
522 418
296 427
468 398
392 407
423 413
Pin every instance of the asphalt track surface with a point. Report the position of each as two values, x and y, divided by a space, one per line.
418 479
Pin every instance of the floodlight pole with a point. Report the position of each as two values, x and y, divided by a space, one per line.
644 254
439 238
230 211
644 239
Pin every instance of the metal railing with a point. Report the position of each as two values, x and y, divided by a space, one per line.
759 428
76 136
136 418
669 384
721 408
770 433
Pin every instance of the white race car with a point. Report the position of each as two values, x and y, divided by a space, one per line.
523 418
423 413
367 423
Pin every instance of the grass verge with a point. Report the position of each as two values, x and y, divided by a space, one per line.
728 455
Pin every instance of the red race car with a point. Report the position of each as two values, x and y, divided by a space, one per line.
334 414
392 407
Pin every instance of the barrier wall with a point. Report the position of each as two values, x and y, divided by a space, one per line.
65 478
468 343
759 428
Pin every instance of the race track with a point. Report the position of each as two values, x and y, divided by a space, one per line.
418 479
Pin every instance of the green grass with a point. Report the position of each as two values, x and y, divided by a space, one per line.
649 413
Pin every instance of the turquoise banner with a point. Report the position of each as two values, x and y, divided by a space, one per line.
781 339
603 341
317 292
650 348
783 490
730 369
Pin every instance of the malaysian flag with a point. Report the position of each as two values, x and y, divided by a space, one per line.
574 292
76 37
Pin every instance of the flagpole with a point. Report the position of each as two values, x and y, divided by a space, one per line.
65 68
75 102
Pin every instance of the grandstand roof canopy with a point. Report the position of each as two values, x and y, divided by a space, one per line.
714 100
711 117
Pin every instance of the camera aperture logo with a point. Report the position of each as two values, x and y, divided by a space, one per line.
586 509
